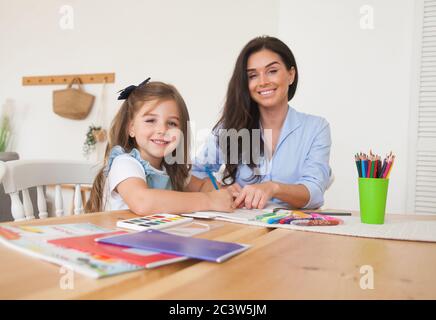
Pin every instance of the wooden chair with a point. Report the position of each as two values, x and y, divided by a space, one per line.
20 175
2 171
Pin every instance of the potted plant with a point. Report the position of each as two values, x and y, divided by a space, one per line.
95 134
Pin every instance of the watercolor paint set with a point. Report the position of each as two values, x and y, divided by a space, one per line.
156 221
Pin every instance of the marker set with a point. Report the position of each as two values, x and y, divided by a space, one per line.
297 218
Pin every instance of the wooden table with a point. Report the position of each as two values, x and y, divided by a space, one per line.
282 264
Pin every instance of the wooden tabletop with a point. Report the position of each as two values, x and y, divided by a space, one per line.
281 264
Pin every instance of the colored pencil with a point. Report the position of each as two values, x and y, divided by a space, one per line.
371 173
390 168
374 171
372 166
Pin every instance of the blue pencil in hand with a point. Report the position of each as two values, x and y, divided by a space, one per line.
212 178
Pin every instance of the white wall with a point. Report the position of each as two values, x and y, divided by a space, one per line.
192 44
358 79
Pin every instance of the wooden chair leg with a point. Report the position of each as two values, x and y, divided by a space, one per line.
83 192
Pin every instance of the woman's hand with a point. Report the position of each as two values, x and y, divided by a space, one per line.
221 200
255 196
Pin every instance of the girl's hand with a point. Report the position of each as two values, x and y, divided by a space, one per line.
234 189
220 200
256 196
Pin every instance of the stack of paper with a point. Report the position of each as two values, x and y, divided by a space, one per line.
73 246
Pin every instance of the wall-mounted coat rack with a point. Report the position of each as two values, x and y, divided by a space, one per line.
65 79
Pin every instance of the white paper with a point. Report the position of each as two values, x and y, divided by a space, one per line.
418 230
238 215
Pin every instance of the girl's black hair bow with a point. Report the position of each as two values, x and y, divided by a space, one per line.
125 93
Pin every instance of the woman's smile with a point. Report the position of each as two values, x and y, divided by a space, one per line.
266 92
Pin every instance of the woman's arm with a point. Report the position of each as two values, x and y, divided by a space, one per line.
308 191
257 195
143 200
296 195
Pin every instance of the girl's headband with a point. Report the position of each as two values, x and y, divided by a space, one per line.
125 93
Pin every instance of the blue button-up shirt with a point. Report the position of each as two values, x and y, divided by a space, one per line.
301 157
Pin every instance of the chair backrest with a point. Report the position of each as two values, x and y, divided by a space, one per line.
2 170
20 175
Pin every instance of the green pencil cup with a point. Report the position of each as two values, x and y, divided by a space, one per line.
373 193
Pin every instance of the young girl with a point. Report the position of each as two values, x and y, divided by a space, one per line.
140 173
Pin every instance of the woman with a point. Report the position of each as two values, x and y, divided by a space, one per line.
290 164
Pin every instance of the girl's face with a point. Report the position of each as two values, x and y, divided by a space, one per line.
156 129
268 79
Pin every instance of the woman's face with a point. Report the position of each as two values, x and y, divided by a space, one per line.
268 79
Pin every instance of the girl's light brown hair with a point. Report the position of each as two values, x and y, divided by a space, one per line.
119 135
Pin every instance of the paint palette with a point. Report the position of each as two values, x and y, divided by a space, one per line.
156 221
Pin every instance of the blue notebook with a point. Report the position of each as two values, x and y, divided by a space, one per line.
155 240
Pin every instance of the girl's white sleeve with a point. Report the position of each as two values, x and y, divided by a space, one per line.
124 167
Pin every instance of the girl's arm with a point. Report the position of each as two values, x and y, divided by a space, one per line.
199 185
143 200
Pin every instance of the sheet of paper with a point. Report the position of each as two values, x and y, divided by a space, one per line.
238 215
392 229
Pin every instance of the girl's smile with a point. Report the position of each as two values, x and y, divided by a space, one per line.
162 142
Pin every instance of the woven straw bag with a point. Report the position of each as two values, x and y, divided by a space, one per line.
72 103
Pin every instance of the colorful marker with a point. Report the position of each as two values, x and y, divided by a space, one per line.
289 219
273 218
319 216
315 222
261 216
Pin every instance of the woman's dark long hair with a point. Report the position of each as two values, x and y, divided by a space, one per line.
240 110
